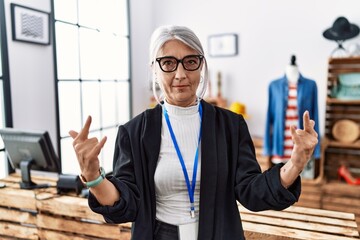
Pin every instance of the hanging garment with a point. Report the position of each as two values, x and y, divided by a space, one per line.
274 138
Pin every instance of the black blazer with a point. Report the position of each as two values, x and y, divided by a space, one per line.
229 173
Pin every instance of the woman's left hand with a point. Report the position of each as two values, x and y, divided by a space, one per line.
305 141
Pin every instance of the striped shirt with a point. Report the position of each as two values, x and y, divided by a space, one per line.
291 118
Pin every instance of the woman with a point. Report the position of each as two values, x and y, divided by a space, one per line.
160 152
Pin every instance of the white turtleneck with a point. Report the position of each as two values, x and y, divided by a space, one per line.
172 199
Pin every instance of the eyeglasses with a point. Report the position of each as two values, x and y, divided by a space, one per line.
170 64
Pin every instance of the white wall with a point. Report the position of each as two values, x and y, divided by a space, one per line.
141 23
32 70
269 32
31 78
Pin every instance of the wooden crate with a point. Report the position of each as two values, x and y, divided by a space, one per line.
17 212
299 223
342 197
43 214
310 195
336 156
264 161
336 152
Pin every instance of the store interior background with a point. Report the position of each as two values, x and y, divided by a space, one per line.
269 32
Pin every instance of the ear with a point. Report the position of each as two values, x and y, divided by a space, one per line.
153 68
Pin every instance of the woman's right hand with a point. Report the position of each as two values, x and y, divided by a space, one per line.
87 151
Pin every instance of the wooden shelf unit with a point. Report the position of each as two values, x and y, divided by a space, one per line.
335 153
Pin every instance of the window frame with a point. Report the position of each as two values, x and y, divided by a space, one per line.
5 77
57 80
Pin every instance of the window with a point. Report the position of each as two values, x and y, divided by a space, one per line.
5 101
92 56
3 161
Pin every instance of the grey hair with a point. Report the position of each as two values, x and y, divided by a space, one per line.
163 34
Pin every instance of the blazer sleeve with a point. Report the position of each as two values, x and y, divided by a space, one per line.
125 210
260 191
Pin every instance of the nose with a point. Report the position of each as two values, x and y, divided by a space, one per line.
180 72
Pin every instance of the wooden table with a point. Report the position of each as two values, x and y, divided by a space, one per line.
43 214
299 223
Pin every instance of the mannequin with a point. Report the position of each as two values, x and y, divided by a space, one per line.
291 116
289 97
292 71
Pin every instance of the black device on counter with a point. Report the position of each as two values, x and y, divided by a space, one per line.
68 183
29 151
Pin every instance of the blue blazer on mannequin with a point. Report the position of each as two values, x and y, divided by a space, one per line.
275 123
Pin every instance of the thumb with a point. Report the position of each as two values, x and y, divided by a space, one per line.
73 134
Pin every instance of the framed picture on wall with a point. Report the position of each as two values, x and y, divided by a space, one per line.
30 25
223 45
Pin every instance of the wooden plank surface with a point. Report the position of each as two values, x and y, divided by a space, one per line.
342 201
302 225
256 231
310 196
320 212
341 189
17 216
106 231
71 207
18 231
299 223
341 61
51 215
304 217
17 198
68 206
15 178
49 234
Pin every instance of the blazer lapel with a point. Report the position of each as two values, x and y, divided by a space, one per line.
208 178
151 139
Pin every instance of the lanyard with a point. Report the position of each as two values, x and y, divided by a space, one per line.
190 188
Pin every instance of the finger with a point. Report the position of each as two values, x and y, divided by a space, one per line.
306 121
312 123
293 132
313 132
102 142
73 134
312 127
96 150
85 130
